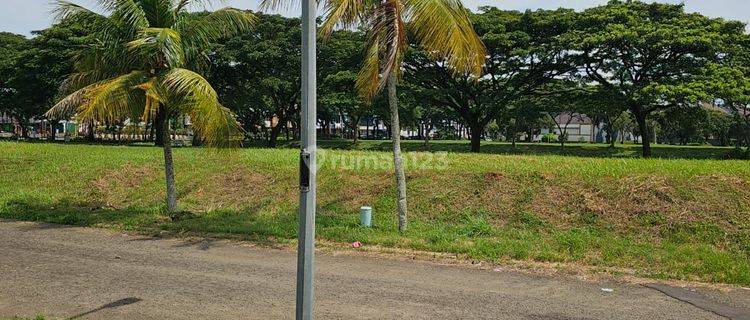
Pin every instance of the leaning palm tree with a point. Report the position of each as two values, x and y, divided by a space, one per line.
442 27
145 65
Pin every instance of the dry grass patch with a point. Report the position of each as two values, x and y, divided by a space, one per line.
350 190
115 188
237 188
498 193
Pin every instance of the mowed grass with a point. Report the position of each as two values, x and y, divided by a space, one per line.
677 217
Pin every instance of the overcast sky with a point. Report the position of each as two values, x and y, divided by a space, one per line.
23 16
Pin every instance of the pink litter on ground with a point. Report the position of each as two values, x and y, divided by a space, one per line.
356 244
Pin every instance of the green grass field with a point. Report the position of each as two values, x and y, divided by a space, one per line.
684 215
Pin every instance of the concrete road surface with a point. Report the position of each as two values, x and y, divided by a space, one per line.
65 272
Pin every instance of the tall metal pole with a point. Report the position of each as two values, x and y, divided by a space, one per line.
308 169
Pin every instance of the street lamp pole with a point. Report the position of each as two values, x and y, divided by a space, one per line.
308 169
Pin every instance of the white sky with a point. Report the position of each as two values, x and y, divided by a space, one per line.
23 16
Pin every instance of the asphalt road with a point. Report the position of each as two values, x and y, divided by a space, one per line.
79 273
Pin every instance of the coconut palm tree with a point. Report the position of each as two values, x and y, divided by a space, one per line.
145 65
442 27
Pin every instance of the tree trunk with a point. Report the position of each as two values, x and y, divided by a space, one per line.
274 136
397 160
645 134
355 126
51 135
197 140
91 133
162 122
610 131
563 138
428 130
24 130
476 137
168 165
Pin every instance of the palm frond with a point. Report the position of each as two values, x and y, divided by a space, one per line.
198 34
219 24
395 38
66 107
108 5
183 5
271 5
155 97
195 97
113 99
162 44
368 81
105 101
99 63
64 9
343 13
214 123
443 28
386 46
129 13
186 83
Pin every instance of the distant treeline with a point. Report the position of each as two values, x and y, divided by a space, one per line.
651 72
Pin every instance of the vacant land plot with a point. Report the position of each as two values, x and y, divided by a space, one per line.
682 218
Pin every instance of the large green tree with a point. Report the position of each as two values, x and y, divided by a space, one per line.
257 73
649 55
43 66
33 70
11 47
525 52
146 66
729 82
339 61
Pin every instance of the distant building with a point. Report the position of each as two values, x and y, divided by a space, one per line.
582 128
579 127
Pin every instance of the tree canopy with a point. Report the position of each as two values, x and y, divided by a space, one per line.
649 55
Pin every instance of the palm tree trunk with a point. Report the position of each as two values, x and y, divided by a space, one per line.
397 160
168 165
162 121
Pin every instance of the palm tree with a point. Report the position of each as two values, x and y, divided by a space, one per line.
442 27
145 65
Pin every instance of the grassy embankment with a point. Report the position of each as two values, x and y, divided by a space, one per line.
682 218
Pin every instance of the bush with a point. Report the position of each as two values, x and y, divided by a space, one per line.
549 137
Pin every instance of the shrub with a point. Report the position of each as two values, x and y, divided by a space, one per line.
549 137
